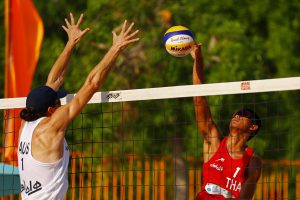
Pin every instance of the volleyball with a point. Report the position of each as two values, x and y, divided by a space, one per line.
178 41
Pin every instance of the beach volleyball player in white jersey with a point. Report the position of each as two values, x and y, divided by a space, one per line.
43 153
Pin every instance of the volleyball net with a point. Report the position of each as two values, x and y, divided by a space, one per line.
145 144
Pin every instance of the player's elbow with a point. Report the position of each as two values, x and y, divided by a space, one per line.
93 83
202 128
55 84
205 125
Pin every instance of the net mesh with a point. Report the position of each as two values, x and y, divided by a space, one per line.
153 150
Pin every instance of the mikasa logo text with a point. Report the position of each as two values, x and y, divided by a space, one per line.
180 48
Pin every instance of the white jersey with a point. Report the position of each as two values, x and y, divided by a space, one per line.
43 181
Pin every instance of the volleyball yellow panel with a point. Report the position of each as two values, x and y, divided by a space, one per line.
176 28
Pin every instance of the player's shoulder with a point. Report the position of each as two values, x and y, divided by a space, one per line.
43 125
254 168
255 162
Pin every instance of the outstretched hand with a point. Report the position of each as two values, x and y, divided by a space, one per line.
73 29
126 36
196 51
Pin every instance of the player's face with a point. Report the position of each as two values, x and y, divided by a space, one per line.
240 121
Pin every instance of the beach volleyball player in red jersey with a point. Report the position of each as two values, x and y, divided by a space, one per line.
231 169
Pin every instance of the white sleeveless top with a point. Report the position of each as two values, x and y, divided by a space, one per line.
42 181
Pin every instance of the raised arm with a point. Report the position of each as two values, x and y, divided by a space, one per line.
95 79
205 123
57 74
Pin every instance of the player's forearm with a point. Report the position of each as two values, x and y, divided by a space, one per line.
203 114
58 71
198 78
202 109
92 84
102 69
198 64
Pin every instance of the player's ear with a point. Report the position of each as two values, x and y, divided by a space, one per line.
253 127
50 111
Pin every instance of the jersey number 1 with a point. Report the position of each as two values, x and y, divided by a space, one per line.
236 172
22 163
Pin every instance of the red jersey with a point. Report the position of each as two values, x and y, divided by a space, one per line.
223 176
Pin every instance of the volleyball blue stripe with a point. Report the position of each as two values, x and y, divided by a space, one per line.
170 34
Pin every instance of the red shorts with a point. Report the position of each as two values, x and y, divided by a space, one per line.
203 195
